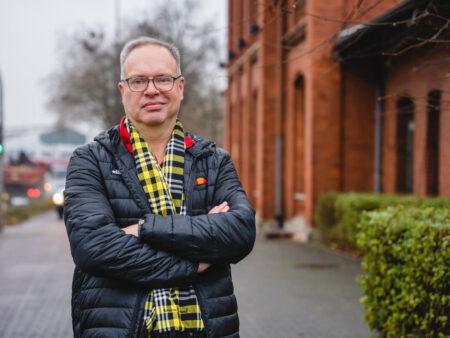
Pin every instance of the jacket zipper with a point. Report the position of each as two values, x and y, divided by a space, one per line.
140 302
200 302
138 315
138 312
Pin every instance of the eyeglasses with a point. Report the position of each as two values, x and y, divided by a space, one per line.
163 83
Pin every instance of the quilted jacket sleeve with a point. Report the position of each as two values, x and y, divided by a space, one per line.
99 246
217 238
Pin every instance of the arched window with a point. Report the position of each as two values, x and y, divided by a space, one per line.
405 145
432 142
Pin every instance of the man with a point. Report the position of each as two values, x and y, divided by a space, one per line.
154 215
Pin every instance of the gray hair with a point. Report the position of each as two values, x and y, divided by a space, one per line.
143 41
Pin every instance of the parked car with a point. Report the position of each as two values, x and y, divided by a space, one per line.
55 178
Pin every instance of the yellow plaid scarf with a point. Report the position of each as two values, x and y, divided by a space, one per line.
173 309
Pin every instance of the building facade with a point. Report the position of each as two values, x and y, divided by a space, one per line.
314 107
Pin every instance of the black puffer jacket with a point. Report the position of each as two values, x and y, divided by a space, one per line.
114 271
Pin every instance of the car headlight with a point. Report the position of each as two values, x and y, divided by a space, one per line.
58 198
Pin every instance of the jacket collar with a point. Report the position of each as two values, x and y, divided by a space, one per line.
112 142
200 148
117 139
125 138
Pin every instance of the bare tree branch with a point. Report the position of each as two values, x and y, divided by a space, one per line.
84 86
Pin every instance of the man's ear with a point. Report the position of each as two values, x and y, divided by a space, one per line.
181 87
120 87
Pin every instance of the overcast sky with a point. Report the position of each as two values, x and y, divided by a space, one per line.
29 31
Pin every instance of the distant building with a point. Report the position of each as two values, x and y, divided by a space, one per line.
49 146
63 136
328 96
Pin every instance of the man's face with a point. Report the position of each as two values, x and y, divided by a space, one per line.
151 107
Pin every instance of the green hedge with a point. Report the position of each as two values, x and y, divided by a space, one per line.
406 278
337 215
325 216
20 214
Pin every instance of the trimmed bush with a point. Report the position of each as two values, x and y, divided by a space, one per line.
348 207
20 214
406 278
324 215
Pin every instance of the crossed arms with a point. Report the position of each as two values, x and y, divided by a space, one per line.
168 249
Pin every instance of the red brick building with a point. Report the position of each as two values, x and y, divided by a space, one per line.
319 102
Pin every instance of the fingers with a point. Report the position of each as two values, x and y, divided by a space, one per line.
203 266
214 210
223 207
131 230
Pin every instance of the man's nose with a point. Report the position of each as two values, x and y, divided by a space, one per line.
151 89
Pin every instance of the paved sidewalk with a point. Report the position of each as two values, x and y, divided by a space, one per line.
35 280
287 289
284 289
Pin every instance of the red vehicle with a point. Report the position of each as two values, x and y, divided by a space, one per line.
25 179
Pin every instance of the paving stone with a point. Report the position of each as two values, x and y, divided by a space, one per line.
287 289
284 289
35 283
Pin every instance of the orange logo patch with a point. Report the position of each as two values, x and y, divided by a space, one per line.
201 180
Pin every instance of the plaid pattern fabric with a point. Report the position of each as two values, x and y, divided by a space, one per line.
163 186
173 309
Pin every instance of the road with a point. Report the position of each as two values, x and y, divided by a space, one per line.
284 289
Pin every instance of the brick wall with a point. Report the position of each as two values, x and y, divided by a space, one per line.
415 75
287 89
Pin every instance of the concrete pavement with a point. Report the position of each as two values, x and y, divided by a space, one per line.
290 290
284 289
35 280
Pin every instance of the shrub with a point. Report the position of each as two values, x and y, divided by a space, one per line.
20 214
406 278
348 207
324 215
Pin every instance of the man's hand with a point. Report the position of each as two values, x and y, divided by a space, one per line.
131 230
203 267
223 207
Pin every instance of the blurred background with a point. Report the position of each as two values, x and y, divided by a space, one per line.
335 112
59 71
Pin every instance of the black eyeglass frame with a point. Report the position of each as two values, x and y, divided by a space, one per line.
174 78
